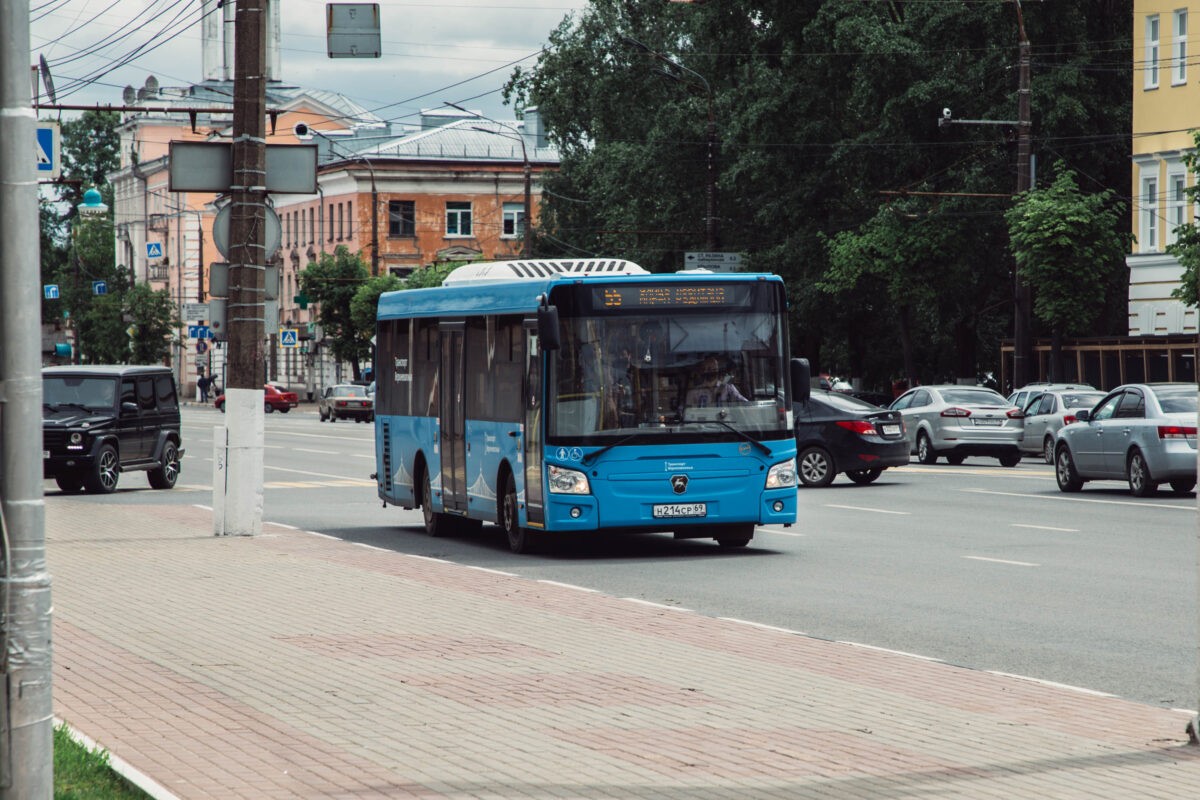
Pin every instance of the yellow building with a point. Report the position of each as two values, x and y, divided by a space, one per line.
1166 109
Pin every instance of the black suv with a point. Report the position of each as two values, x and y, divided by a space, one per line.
99 421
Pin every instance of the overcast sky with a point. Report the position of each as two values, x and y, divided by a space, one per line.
460 51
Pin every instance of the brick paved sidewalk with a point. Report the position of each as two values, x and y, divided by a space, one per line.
297 665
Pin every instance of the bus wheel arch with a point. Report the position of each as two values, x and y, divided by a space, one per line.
508 514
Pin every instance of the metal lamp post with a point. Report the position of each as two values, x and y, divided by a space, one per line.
93 207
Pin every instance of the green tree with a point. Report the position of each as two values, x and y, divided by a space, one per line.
90 151
1186 247
1067 244
332 281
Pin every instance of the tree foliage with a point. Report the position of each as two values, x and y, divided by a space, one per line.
90 151
332 281
826 115
1186 247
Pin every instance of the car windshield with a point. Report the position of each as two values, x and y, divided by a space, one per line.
1175 399
347 391
977 397
1082 400
96 394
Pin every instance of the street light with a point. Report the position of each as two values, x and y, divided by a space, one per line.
712 228
303 130
527 233
93 207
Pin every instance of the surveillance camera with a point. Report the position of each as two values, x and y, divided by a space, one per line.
945 113
301 130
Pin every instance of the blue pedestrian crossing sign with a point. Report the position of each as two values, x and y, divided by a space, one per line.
288 337
99 287
154 250
49 164
50 290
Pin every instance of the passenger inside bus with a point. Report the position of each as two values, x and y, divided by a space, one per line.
710 386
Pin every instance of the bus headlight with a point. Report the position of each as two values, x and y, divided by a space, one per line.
567 481
782 475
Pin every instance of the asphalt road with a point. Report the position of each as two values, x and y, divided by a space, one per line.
976 565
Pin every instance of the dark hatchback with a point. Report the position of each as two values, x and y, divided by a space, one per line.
837 433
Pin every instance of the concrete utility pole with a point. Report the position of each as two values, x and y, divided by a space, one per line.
242 505
1022 296
27 715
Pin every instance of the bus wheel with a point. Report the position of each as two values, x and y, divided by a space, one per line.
736 536
520 540
435 524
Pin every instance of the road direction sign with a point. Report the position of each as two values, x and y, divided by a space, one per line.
289 337
717 262
99 287
199 332
154 250
47 149
195 311
51 291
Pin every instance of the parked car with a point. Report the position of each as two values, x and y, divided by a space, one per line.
100 421
1047 413
346 401
836 433
1023 396
1143 433
275 398
959 421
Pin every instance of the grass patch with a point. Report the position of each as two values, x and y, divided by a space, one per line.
83 775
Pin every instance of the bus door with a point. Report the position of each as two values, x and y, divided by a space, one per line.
453 418
535 509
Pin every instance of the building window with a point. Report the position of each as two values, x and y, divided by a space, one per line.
329 234
1179 67
1177 204
402 218
1150 69
351 228
458 218
1149 225
341 224
312 225
514 220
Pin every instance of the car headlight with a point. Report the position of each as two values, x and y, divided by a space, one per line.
567 481
782 475
76 438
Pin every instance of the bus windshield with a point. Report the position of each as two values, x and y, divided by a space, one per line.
642 363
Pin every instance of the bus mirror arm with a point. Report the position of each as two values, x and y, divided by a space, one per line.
547 319
801 380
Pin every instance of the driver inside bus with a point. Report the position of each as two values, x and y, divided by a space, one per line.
709 387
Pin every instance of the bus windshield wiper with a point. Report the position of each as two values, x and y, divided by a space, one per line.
728 427
591 457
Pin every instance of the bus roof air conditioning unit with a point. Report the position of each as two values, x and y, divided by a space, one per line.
494 271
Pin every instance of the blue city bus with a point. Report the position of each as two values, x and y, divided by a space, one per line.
568 396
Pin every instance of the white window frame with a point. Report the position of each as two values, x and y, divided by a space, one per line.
1150 67
1177 201
455 217
1148 228
1179 47
514 221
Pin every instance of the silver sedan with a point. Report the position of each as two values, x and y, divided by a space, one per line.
959 421
1141 433
1047 413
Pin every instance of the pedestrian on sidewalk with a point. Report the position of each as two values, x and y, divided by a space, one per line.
203 385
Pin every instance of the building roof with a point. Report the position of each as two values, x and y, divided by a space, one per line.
460 140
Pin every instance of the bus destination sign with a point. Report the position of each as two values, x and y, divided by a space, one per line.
661 296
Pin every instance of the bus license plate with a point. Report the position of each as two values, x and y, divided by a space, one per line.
674 510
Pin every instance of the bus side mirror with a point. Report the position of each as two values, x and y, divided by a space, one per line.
801 380
547 318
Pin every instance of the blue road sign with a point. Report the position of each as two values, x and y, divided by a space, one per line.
47 155
199 332
288 337
51 291
99 287
154 250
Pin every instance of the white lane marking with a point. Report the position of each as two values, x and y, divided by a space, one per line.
763 626
492 571
872 510
1003 561
1191 508
310 472
321 452
371 547
352 455
1053 684
569 586
641 602
778 532
1045 528
893 652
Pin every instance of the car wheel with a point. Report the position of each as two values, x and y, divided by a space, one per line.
736 536
69 482
221 407
816 467
1010 460
1064 471
105 471
1141 484
268 408
1178 486
167 472
1048 450
436 524
520 540
285 409
955 460
925 452
864 476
